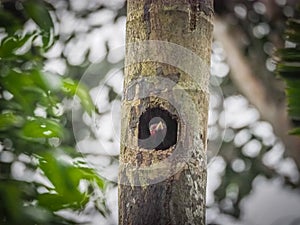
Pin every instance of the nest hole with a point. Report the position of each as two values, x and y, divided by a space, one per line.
157 129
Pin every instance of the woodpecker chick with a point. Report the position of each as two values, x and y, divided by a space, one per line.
154 128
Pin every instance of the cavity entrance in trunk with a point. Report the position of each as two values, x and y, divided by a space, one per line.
157 129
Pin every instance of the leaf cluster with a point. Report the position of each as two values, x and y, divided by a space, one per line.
40 171
288 67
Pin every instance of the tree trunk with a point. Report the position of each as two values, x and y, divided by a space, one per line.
162 175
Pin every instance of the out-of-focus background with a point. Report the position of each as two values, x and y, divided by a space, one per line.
61 73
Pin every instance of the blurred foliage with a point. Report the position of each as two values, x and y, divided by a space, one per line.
261 29
40 171
288 68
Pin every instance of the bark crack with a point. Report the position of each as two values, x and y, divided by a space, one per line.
193 14
146 17
196 7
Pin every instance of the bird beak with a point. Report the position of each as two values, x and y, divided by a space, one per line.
160 126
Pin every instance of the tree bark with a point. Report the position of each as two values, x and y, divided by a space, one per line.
166 76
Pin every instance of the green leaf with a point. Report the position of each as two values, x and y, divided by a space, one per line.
293 30
14 82
42 80
9 22
9 120
73 88
288 68
293 96
28 89
10 196
12 43
40 15
10 105
65 178
55 202
295 131
60 173
90 174
288 54
42 128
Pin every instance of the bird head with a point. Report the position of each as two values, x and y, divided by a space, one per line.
155 127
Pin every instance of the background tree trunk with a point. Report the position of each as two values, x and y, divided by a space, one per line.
166 76
266 100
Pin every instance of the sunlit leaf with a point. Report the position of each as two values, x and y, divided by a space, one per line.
10 44
56 202
65 178
40 15
89 174
42 128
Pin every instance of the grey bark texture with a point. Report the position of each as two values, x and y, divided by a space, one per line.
167 185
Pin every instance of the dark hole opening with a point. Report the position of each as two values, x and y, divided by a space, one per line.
157 129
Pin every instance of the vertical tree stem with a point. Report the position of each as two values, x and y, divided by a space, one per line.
166 76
